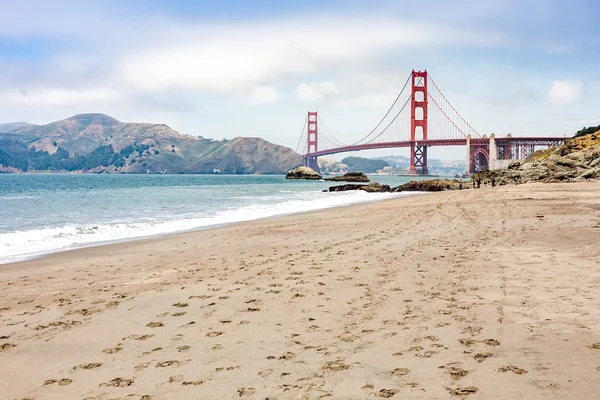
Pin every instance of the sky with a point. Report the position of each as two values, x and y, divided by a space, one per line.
228 68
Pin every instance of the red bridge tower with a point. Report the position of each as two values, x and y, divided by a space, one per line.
418 123
312 140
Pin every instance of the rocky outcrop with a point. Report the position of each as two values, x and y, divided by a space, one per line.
431 185
303 173
577 160
350 177
372 187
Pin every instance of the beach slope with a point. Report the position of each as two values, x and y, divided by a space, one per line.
478 294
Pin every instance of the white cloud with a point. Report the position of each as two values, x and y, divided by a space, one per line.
315 91
263 95
52 97
564 92
224 58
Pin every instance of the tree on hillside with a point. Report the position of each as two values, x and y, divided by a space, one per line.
587 131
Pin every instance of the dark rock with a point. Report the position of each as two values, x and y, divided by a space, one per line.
432 185
345 188
350 177
372 187
375 187
303 173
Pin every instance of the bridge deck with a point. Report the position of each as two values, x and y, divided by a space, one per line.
537 141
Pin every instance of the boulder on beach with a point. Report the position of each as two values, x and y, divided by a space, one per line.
431 185
350 177
303 173
375 187
345 188
372 187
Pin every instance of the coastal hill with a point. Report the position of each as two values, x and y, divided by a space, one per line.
246 155
99 143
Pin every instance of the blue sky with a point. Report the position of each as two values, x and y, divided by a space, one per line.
253 68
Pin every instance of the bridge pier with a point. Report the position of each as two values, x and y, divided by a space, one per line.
311 162
418 159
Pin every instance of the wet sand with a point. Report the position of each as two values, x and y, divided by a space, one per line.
478 294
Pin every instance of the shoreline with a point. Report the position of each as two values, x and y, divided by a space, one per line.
157 236
489 293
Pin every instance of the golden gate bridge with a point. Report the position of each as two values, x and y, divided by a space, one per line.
421 117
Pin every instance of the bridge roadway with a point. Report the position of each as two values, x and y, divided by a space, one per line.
500 141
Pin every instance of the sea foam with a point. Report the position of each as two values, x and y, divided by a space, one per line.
28 244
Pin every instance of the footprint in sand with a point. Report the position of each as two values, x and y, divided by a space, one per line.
180 305
183 349
118 382
245 391
268 372
455 371
192 383
287 356
512 368
400 371
7 346
168 363
155 324
115 349
491 342
138 337
141 366
214 334
464 391
152 351
338 365
480 357
387 393
87 366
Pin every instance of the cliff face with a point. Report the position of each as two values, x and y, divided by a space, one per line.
248 156
576 160
99 143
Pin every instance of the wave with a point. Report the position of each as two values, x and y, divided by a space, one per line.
23 245
16 197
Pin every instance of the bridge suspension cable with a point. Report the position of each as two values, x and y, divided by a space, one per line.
391 122
386 114
301 137
335 140
452 108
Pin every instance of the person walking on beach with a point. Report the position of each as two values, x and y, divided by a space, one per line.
516 179
473 180
493 182
478 183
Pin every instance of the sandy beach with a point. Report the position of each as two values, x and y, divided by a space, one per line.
478 294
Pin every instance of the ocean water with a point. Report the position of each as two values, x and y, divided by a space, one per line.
46 213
